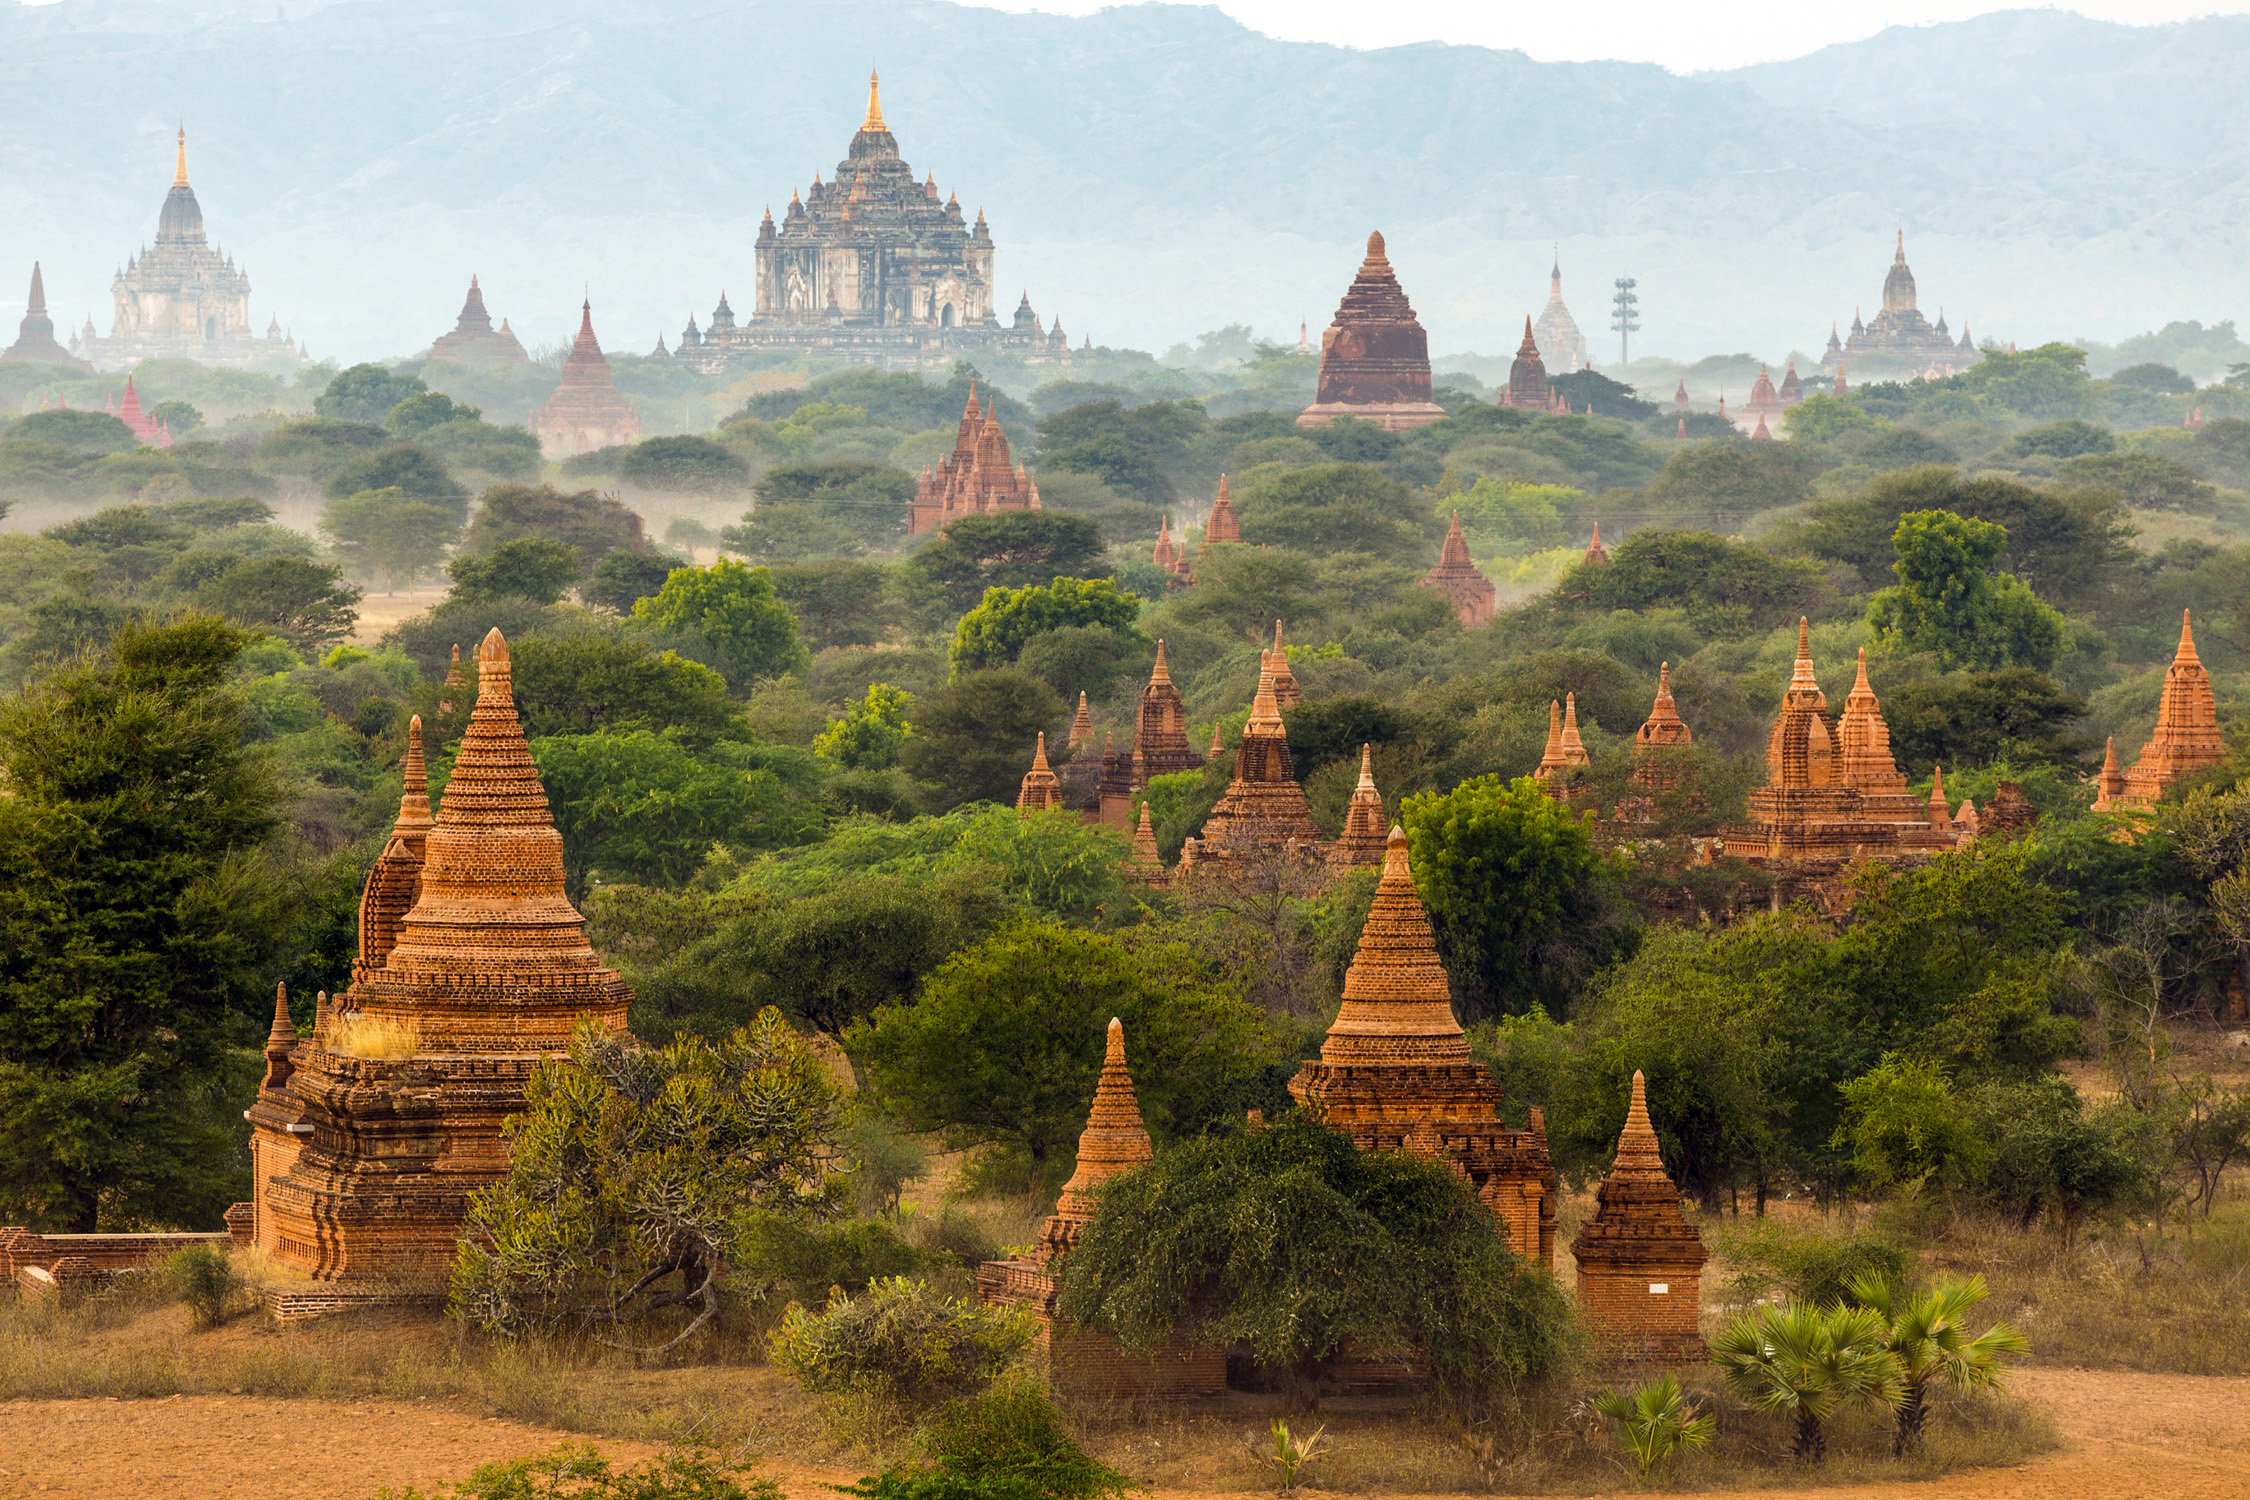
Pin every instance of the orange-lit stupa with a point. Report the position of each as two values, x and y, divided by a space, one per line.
1263 808
1640 1263
1362 840
2186 739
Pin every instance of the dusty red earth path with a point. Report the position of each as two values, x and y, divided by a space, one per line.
2177 1437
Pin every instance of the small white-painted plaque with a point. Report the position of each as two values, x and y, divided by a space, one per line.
1658 1288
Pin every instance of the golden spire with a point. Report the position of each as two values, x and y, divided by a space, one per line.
179 163
874 120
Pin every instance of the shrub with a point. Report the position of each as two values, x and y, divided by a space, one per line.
1812 1268
1007 1444
901 1342
1654 1422
579 1470
207 1281
373 1037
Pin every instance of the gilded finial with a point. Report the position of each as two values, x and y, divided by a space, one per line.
874 120
179 163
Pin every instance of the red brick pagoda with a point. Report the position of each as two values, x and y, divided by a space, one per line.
1455 576
1375 358
587 411
977 478
1640 1263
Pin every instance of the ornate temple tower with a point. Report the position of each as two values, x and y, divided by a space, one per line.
474 344
979 477
1899 335
1656 769
1362 840
390 1116
35 336
1374 358
1041 788
1640 1263
2186 739
1566 754
1286 693
1527 388
1456 576
1160 746
1763 409
1263 809
1395 1072
587 411
1560 345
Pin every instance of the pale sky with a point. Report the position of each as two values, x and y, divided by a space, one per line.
1684 37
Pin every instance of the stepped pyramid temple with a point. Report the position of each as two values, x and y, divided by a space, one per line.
2186 738
1527 388
587 411
1160 746
1375 358
1561 346
1640 1263
1900 339
474 344
1456 576
1833 795
978 477
183 299
873 268
367 1139
35 335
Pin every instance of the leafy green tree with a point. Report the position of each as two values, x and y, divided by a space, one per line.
1724 587
1610 398
834 508
1005 1043
179 418
410 470
365 393
587 1473
84 432
637 1176
381 531
2144 481
1949 602
684 465
2071 438
1904 1127
996 631
735 608
1927 1334
1808 1363
308 605
1107 665
973 739
640 806
136 905
869 736
586 681
1974 718
596 524
1293 1243
837 603
318 448
1240 591
1729 481
2052 1158
1904 448
1823 419
623 579
903 1343
419 413
532 568
1335 508
1523 907
1004 550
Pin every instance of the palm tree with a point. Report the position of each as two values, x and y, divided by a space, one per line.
1655 1421
1808 1361
1929 1337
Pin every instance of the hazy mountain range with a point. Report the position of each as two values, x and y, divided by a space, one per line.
1149 172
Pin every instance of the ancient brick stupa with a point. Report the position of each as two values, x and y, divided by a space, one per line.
587 411
1223 525
1085 1362
1566 757
390 1115
1081 775
473 343
1469 592
1148 861
1362 840
1168 554
1375 358
35 336
1527 388
979 477
1863 742
1263 809
2186 739
1595 551
1640 1263
1763 409
1395 1072
1286 693
1160 746
1041 789
1656 765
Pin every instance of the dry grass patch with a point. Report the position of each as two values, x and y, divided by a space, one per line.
376 1038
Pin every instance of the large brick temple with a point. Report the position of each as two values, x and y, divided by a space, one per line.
979 477
2186 739
587 411
1374 358
473 343
368 1138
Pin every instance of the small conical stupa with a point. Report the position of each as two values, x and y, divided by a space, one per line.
587 411
1456 576
1113 1143
1286 694
2187 734
1263 808
1041 788
1362 840
1640 1262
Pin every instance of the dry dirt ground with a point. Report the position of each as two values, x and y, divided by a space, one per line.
2172 1437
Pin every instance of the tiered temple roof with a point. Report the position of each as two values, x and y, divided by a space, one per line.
587 410
1374 358
1041 788
1566 752
1148 861
1527 387
1169 555
1113 1143
1763 409
978 477
1640 1262
1263 808
1655 768
35 335
1362 840
1900 336
2186 739
473 343
1286 694
1160 746
1456 576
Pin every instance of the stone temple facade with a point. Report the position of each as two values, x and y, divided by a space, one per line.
1899 339
872 267
473 343
368 1138
182 299
2186 740
587 411
1375 358
35 336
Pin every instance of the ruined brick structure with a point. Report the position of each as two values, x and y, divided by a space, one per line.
363 1164
979 477
587 411
473 343
2186 739
1160 746
1041 789
1374 358
1084 1362
1469 592
1395 1072
35 335
1640 1263
1362 839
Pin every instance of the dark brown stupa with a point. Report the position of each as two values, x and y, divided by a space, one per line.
474 344
1527 388
1395 1071
1640 1263
35 336
587 411
1375 358
1160 746
1455 576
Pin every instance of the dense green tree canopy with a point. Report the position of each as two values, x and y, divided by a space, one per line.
1949 603
1725 587
308 605
365 393
1339 508
735 608
837 603
405 468
533 568
1005 550
1975 718
594 523
684 464
996 631
974 739
587 681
